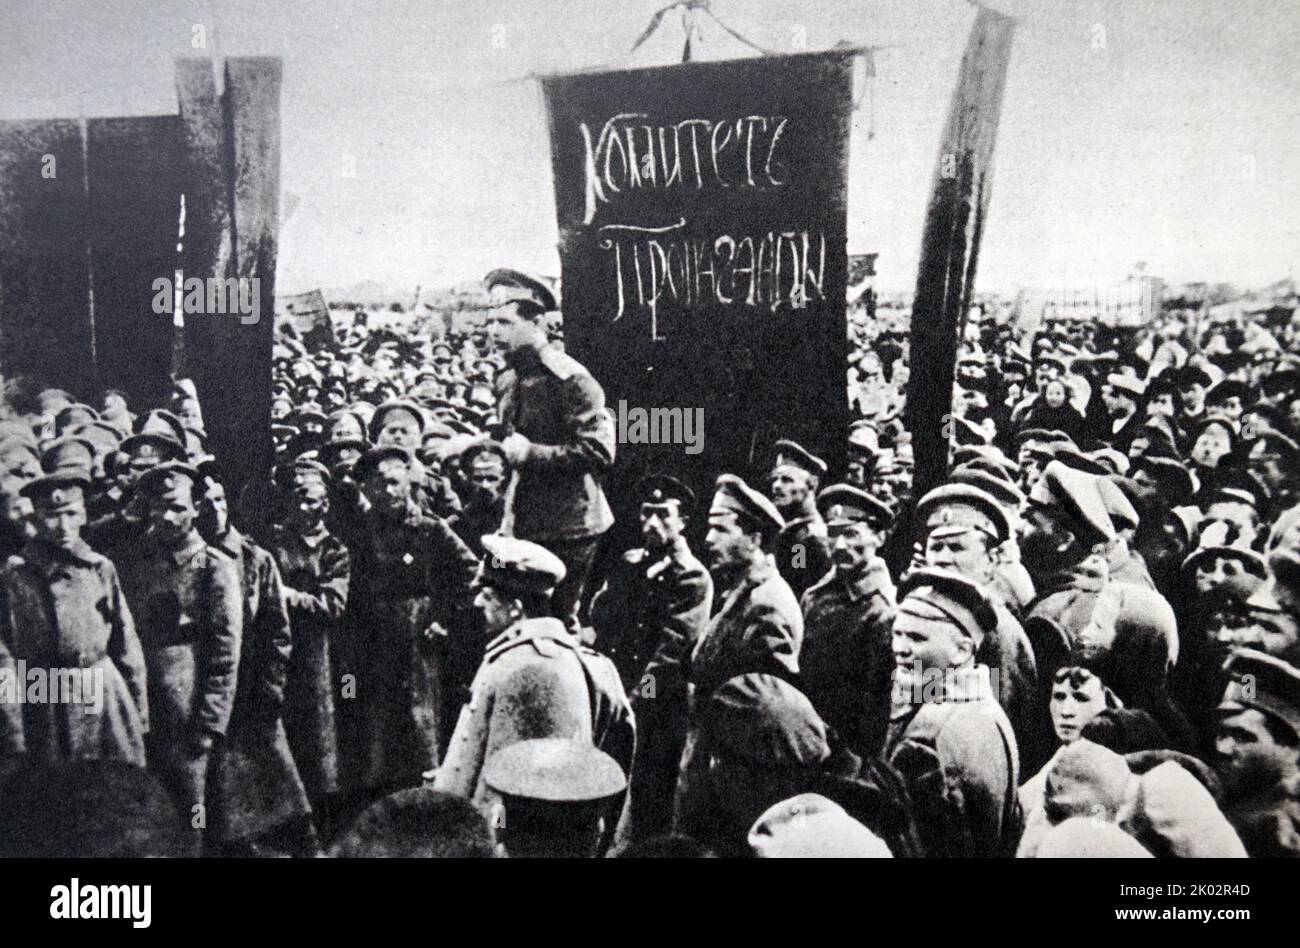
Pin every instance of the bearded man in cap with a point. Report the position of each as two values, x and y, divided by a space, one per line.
401 424
802 550
536 680
316 569
561 439
1257 745
187 603
948 736
845 661
647 617
486 471
63 612
756 625
255 788
411 576
962 528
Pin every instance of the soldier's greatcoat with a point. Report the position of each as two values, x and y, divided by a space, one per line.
63 611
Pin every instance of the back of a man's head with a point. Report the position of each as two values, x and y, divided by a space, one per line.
417 823
86 809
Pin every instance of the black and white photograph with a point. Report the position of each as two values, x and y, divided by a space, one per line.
630 429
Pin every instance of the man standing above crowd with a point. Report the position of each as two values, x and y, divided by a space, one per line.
560 441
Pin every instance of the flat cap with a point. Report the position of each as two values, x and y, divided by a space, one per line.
515 285
954 509
788 452
733 496
168 481
1005 492
69 453
387 408
844 503
1265 683
1129 384
939 594
812 826
520 565
765 720
1075 495
554 770
1121 511
61 490
660 488
370 461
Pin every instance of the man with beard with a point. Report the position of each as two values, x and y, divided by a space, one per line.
255 788
647 617
1258 750
410 576
948 736
187 603
316 569
802 551
561 438
486 471
846 662
62 609
756 625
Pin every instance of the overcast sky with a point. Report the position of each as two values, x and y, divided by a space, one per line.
1166 131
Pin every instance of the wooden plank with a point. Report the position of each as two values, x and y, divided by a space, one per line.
134 199
45 324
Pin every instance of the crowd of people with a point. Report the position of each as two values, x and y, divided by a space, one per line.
409 641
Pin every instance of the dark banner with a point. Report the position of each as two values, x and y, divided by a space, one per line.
702 240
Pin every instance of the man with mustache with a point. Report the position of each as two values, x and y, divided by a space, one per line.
846 662
1257 746
647 617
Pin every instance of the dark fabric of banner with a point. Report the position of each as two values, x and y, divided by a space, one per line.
950 247
701 212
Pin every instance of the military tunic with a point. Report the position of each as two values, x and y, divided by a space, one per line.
846 660
64 611
186 602
756 628
315 569
647 618
407 574
255 783
537 680
803 552
959 759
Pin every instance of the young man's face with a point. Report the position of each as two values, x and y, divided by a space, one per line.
487 475
1077 698
1213 445
310 505
509 331
388 486
1161 405
172 519
214 514
399 429
661 524
60 526
1249 759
